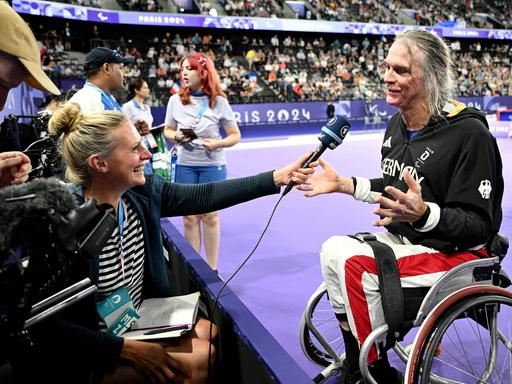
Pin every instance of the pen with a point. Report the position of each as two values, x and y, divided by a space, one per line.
166 329
161 326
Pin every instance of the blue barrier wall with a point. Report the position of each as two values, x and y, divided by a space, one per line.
247 352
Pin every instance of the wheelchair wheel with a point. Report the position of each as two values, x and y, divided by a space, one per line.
328 340
476 337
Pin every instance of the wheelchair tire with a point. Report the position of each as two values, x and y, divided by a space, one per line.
324 320
474 326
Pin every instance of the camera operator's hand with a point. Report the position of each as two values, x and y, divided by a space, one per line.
14 168
142 127
152 360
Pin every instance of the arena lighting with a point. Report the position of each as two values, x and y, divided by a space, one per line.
70 12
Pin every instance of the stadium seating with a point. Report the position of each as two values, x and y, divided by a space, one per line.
495 14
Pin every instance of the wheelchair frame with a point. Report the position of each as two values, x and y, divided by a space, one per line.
456 286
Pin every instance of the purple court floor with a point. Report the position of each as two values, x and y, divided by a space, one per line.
284 271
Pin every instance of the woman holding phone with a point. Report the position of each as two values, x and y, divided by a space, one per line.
194 119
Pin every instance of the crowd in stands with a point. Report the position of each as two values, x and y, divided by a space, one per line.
460 12
484 71
374 11
254 8
500 10
300 69
127 5
82 3
495 14
435 12
280 67
140 5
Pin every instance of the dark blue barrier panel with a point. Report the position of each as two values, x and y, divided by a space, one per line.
247 352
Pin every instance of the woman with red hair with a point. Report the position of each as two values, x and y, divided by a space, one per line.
194 118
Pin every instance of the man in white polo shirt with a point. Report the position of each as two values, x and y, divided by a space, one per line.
104 69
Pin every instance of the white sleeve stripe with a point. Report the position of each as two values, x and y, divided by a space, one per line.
433 218
363 191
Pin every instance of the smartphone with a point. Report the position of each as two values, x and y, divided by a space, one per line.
188 133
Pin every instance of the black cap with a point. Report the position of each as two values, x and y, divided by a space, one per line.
101 55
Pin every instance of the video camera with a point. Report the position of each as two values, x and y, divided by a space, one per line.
33 139
45 240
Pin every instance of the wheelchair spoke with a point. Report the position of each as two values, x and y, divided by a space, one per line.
336 340
476 320
464 372
326 321
330 347
466 358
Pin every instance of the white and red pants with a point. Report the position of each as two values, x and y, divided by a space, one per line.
350 273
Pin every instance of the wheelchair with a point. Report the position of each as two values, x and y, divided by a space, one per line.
464 326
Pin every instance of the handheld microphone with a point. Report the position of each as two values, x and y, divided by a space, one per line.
332 134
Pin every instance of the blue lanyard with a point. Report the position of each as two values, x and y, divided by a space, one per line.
138 106
107 100
200 113
120 215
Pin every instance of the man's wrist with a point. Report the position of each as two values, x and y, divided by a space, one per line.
354 182
420 223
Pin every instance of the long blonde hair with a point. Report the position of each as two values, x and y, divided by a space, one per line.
82 136
436 65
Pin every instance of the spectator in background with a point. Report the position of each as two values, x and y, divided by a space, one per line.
66 37
50 104
330 110
201 107
96 39
196 39
369 110
250 56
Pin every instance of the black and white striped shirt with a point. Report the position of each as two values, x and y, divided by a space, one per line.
110 269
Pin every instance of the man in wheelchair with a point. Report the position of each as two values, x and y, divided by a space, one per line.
440 199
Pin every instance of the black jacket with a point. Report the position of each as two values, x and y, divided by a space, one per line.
457 162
